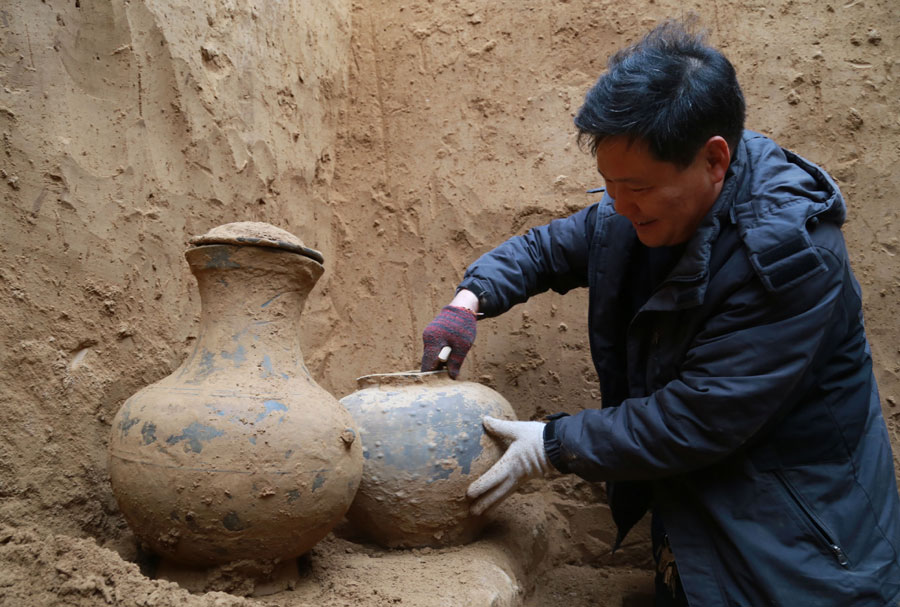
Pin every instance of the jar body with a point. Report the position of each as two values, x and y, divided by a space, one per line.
423 444
238 454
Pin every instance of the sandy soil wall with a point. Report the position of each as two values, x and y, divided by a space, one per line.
127 128
402 139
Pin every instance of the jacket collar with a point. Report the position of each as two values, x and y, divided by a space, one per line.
769 194
686 284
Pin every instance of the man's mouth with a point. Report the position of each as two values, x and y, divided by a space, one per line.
643 223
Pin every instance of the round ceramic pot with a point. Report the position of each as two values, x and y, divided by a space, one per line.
423 444
238 454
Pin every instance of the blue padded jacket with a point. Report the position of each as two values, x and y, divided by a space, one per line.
738 400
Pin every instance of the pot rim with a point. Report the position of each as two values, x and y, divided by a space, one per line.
401 374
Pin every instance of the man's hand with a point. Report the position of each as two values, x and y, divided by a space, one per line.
524 459
454 327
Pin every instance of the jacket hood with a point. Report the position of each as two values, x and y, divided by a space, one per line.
776 198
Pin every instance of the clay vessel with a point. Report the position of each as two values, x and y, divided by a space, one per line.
238 454
423 443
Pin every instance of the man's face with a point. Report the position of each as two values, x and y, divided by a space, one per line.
664 203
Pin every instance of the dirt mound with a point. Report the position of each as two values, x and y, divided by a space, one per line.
43 570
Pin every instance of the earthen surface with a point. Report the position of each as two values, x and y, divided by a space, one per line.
401 139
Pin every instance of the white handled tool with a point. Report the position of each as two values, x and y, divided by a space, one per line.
444 355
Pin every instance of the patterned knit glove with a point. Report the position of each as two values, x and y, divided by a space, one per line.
454 327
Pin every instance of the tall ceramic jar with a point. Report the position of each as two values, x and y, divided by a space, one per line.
423 443
238 454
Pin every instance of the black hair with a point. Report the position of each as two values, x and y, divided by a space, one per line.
671 90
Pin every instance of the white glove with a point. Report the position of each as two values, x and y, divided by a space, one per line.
524 459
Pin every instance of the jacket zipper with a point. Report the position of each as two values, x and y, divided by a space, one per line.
823 532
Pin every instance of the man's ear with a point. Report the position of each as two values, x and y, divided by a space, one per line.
718 157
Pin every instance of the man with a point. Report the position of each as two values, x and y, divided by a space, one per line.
725 326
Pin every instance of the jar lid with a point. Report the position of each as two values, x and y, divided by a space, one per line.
256 233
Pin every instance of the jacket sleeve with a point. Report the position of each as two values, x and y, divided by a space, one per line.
748 363
552 256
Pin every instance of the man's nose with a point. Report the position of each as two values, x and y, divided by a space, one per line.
621 204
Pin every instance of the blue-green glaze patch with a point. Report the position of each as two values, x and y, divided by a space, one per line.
148 432
126 423
439 472
319 480
271 300
233 522
237 357
293 495
267 369
271 405
420 437
206 367
252 440
220 258
195 435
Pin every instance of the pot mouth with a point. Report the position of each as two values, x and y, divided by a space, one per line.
258 234
400 376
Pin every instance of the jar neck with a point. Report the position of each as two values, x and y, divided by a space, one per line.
250 296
